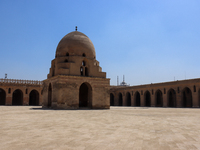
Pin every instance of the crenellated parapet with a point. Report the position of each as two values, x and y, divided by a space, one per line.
21 82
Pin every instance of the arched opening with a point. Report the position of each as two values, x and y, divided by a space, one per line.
171 97
49 96
66 60
83 55
34 98
2 97
111 99
85 95
17 97
83 63
86 71
147 98
120 100
67 54
186 97
26 91
137 99
81 71
128 99
159 99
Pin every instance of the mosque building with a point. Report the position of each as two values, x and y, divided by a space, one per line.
76 80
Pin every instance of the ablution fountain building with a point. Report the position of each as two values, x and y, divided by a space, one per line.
76 80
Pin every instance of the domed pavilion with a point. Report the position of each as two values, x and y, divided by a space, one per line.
75 79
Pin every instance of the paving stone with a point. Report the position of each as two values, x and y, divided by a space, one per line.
28 127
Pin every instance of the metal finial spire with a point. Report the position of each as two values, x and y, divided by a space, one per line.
123 78
76 28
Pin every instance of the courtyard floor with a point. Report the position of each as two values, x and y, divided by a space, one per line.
26 127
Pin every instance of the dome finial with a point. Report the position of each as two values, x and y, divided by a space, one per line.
76 28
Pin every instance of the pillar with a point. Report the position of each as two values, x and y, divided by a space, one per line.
164 100
195 100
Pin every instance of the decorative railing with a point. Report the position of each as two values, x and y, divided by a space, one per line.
16 81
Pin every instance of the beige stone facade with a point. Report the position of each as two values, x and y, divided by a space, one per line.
185 93
20 92
75 79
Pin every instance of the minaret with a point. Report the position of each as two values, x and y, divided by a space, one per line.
117 80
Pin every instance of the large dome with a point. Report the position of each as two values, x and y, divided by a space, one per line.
75 44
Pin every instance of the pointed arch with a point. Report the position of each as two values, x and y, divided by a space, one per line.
159 98
2 97
17 97
34 98
147 98
137 98
171 98
111 99
186 95
85 95
128 99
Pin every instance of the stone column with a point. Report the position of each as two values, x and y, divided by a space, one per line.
195 100
142 100
132 100
178 99
116 100
9 99
153 100
124 103
164 100
25 99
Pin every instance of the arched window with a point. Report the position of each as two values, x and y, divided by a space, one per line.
83 55
9 90
26 91
66 60
81 70
83 63
67 54
164 91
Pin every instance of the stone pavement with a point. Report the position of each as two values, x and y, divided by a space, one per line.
26 127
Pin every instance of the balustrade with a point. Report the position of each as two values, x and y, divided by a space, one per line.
16 81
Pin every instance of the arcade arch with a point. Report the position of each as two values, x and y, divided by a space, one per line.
2 97
159 98
171 98
186 97
128 99
147 98
34 98
137 98
17 97
111 99
85 95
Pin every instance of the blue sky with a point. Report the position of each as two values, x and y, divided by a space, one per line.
148 41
